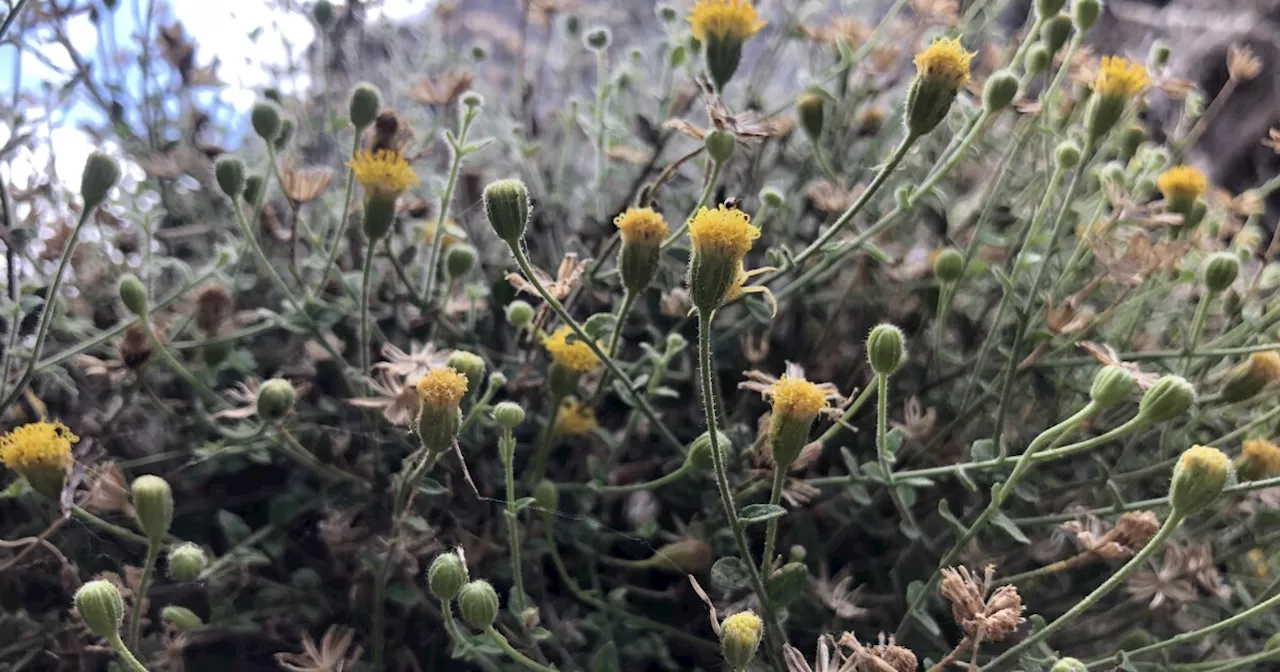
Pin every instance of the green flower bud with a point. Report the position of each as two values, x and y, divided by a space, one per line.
101 607
323 13
472 100
1219 270
229 171
687 556
1113 173
1130 140
1168 398
508 414
478 53
599 38
885 351
181 618
100 174
447 575
265 118
1198 478
468 364
562 380
379 216
1067 155
771 197
519 313
1001 89
948 265
133 294
700 450
1048 8
275 399
1246 379
676 57
667 13
506 205
1112 385
497 380
1158 56
547 496
254 186
1068 665
740 636
459 260
1085 13
364 106
797 553
153 506
285 134
1038 58
1055 32
720 145
478 602
809 106
186 562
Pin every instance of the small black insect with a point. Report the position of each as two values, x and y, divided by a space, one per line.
732 203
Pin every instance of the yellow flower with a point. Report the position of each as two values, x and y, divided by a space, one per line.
1260 458
1267 364
576 356
740 636
1198 478
1182 184
442 388
1119 78
641 226
575 419
384 174
796 403
722 231
724 19
797 398
37 445
945 62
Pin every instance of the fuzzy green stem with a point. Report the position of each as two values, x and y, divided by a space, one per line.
131 661
508 449
853 409
210 397
366 282
437 237
771 527
716 168
546 439
656 483
299 453
506 647
140 595
343 223
1197 328
615 338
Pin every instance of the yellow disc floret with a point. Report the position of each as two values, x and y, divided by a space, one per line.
1262 456
722 231
945 62
641 226
575 419
37 445
797 398
1267 364
574 355
724 19
1182 183
384 174
1121 79
442 388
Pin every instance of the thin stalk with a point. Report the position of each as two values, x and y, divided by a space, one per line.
12 16
883 457
620 318
506 647
1157 502
332 256
140 595
366 280
508 449
716 168
111 528
210 397
602 101
304 457
771 527
130 660
853 409
1197 329
546 439
656 483
437 237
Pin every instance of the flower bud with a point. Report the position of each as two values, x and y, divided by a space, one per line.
1084 13
459 260
508 414
1168 398
1038 58
740 636
285 134
1130 140
1159 54
1001 89
562 380
519 313
133 294
599 38
1198 478
153 506
1048 8
275 399
323 13
472 100
885 350
771 197
1068 665
100 174
101 607
478 602
809 106
1112 173
1112 385
1259 459
642 231
468 364
265 118
506 205
364 106
181 618
497 380
1067 155
720 145
547 496
254 187
229 171
948 265
1247 378
687 556
186 562
1219 271
700 450
447 575
439 393
942 70
1055 32
667 13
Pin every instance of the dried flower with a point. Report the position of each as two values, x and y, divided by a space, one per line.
303 185
1242 65
981 613
334 654
442 90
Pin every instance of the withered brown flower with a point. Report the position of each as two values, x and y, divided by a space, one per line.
983 614
303 185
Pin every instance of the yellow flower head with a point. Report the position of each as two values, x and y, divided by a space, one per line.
442 388
945 62
37 445
1258 560
384 174
641 226
1182 183
740 636
1263 458
1267 364
574 355
724 19
1120 79
722 231
575 419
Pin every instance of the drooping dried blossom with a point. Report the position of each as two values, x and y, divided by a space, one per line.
983 614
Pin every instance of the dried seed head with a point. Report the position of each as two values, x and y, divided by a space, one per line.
135 346
900 658
213 306
1135 529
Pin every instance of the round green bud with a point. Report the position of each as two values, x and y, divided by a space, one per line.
508 414
720 145
181 618
1001 89
497 380
101 607
506 205
885 350
675 343
1219 270
687 556
1067 154
186 562
265 118
700 457
100 174
275 399
1038 58
948 265
547 496
599 38
323 13
133 294
1159 54
459 260
447 575
1198 478
229 171
1112 385
478 602
1048 8
1168 398
254 187
364 106
1055 32
472 100
272 94
478 53
573 25
1113 173
740 636
667 13
771 197
1068 665
285 134
810 108
468 364
1084 13
519 313
153 506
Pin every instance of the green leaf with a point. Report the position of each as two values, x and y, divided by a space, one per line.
944 510
787 583
967 480
730 574
598 325
983 450
893 441
759 513
859 493
915 482
524 502
908 530
1010 528
233 526
431 487
605 658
